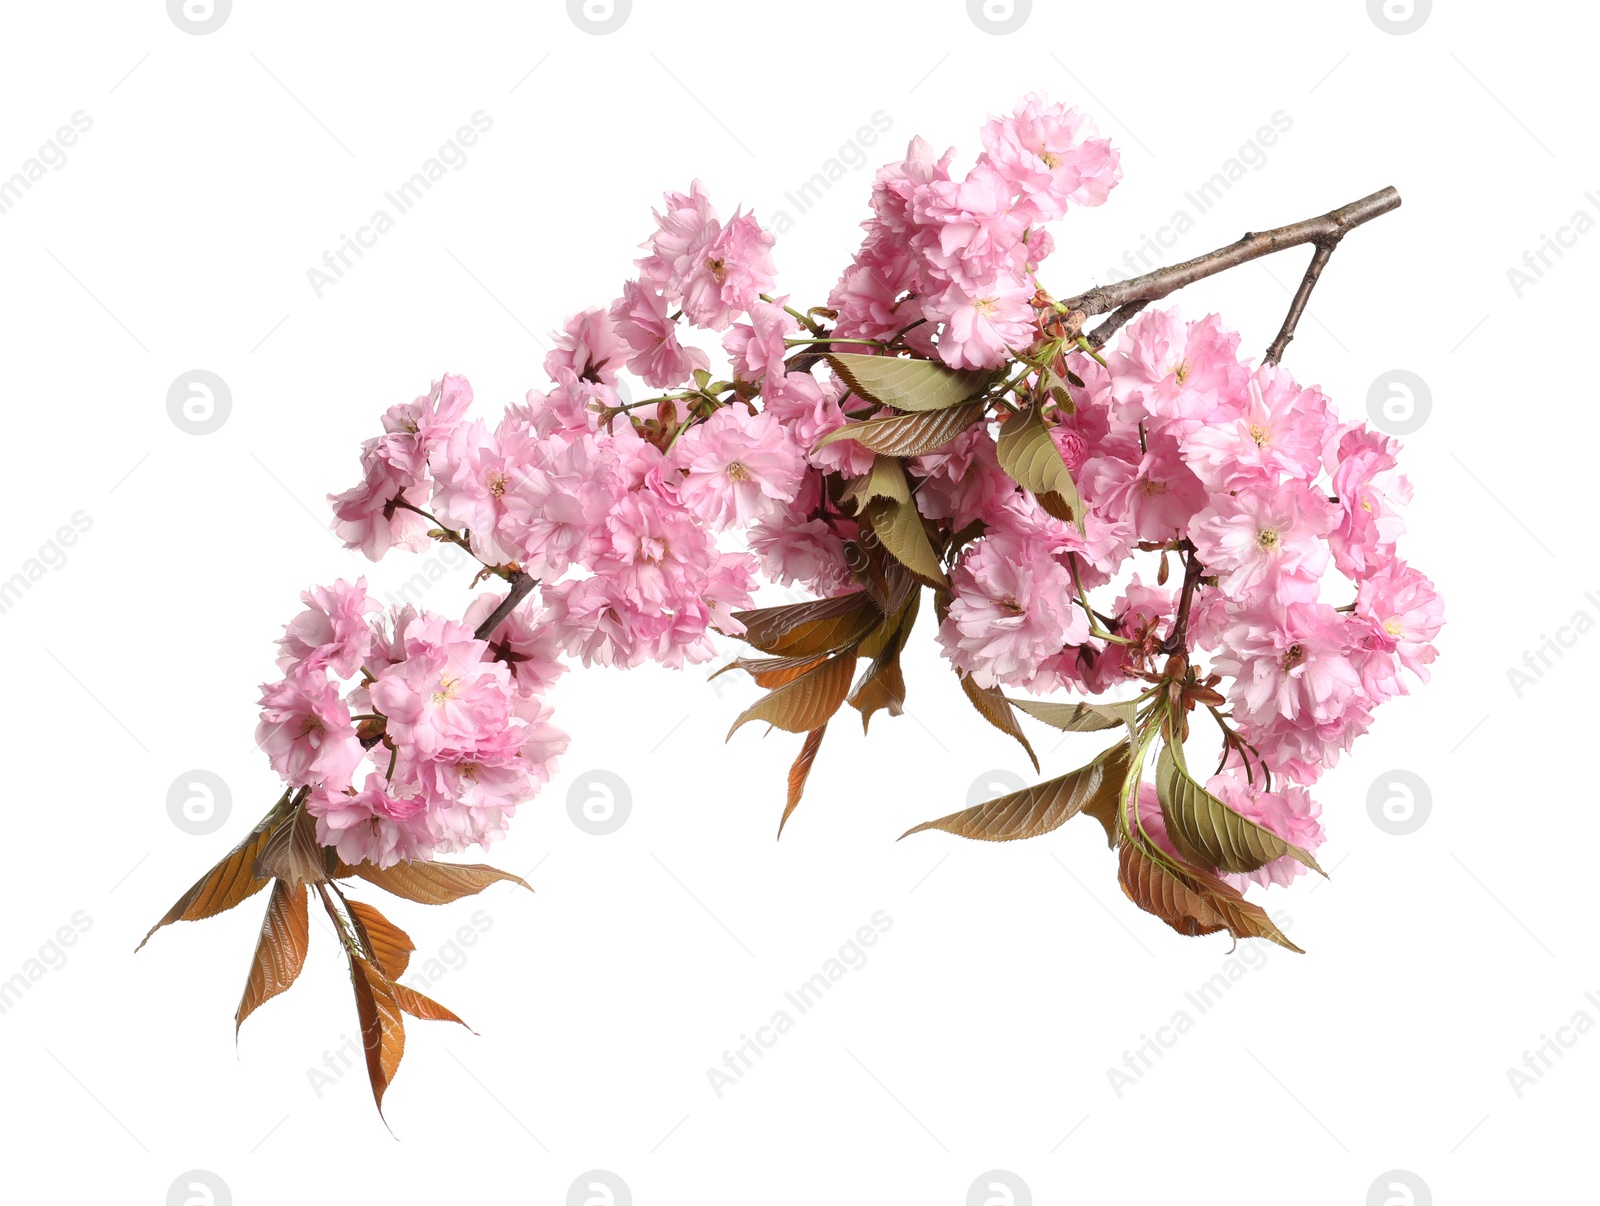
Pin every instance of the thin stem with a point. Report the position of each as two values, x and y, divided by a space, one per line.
1083 601
1302 295
1178 642
1098 336
876 343
1153 286
804 320
522 585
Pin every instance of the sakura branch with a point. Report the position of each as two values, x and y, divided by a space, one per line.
939 434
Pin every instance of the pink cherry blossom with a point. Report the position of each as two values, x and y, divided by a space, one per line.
1050 154
1264 541
444 694
306 731
1404 612
589 348
968 231
722 277
371 517
1279 435
1176 375
757 347
736 468
332 633
1011 607
983 327
1288 664
1370 491
640 315
374 825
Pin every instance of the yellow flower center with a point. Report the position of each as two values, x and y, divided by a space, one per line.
1267 538
448 688
737 472
1258 434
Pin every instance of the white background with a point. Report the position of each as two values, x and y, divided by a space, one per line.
978 1036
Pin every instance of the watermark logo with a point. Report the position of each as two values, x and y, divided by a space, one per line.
999 1187
1398 402
999 16
598 1187
199 1188
1399 802
599 802
599 16
991 784
199 802
1399 16
1398 1187
199 17
199 402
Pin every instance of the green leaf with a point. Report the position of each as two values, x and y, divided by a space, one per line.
1210 834
909 385
886 480
899 527
1094 789
1031 458
807 702
910 435
1085 717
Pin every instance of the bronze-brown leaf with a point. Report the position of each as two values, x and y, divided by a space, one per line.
418 1006
383 1028
1095 788
996 709
1191 901
389 945
772 672
808 701
293 853
883 686
434 883
280 951
800 772
910 435
231 881
813 627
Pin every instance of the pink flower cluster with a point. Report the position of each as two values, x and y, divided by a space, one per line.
966 250
413 736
